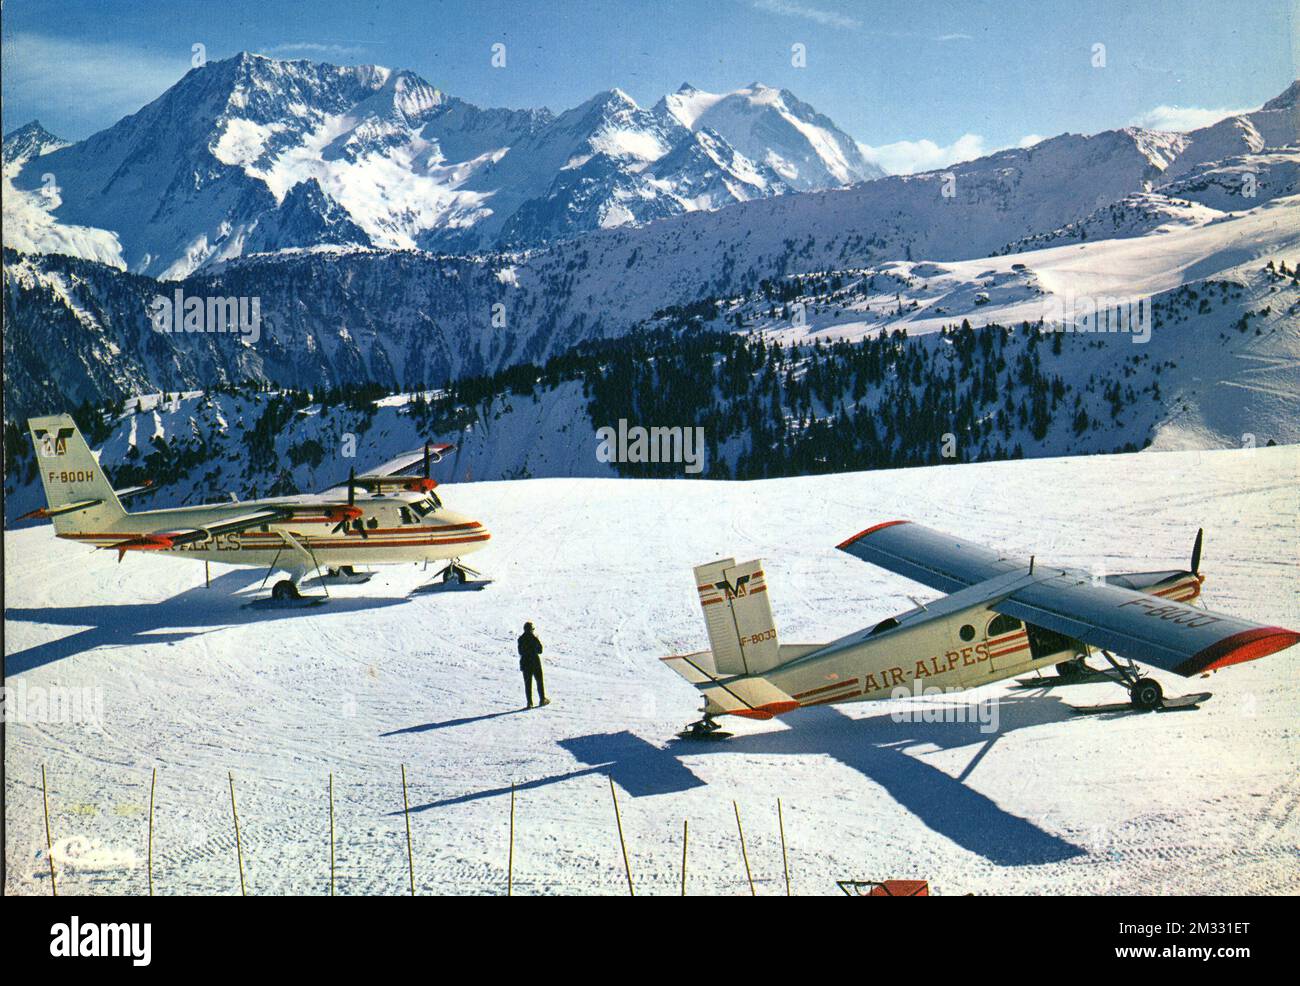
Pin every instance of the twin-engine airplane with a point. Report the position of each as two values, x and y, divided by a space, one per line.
400 520
1003 617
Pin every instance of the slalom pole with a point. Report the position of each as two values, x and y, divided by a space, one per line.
406 810
785 862
510 861
331 833
49 847
627 868
152 784
239 849
685 831
744 853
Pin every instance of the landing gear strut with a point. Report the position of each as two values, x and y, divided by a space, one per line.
1076 667
1143 693
457 572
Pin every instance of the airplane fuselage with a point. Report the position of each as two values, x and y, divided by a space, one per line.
949 649
398 528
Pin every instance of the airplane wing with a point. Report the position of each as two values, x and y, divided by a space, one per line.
923 555
409 460
161 540
1160 632
1105 614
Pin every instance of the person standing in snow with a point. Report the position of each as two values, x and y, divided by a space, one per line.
530 663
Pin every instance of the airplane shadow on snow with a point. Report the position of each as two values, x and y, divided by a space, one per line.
876 747
187 614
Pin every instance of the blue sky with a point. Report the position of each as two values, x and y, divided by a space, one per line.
923 83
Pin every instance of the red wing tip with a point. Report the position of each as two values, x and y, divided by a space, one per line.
1249 645
870 530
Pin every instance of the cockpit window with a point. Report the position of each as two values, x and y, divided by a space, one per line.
886 624
407 516
426 506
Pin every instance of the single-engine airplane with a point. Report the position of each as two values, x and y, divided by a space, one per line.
401 519
1002 617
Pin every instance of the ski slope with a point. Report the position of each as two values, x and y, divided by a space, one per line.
197 686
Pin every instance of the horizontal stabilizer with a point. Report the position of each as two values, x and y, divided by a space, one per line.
750 698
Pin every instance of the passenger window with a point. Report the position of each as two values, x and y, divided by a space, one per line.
967 632
1003 624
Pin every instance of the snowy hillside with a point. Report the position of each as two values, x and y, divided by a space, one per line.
227 152
409 320
190 682
835 372
29 223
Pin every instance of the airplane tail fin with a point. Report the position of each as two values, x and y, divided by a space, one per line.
738 615
79 498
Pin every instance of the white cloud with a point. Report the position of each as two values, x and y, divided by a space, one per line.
905 157
789 8
96 81
944 38
908 157
317 48
1182 118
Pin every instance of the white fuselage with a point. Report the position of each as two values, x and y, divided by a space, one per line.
950 649
399 527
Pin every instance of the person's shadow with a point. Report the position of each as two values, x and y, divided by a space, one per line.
875 746
425 727
198 610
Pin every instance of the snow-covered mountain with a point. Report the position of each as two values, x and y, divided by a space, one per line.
775 130
29 141
221 156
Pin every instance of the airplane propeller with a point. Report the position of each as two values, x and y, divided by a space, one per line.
1196 551
352 520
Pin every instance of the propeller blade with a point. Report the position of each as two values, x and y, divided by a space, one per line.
352 486
426 460
1196 551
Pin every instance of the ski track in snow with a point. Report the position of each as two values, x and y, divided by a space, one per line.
196 685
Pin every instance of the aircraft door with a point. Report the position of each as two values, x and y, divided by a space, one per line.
1044 643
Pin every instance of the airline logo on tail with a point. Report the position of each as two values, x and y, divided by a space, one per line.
57 444
741 588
